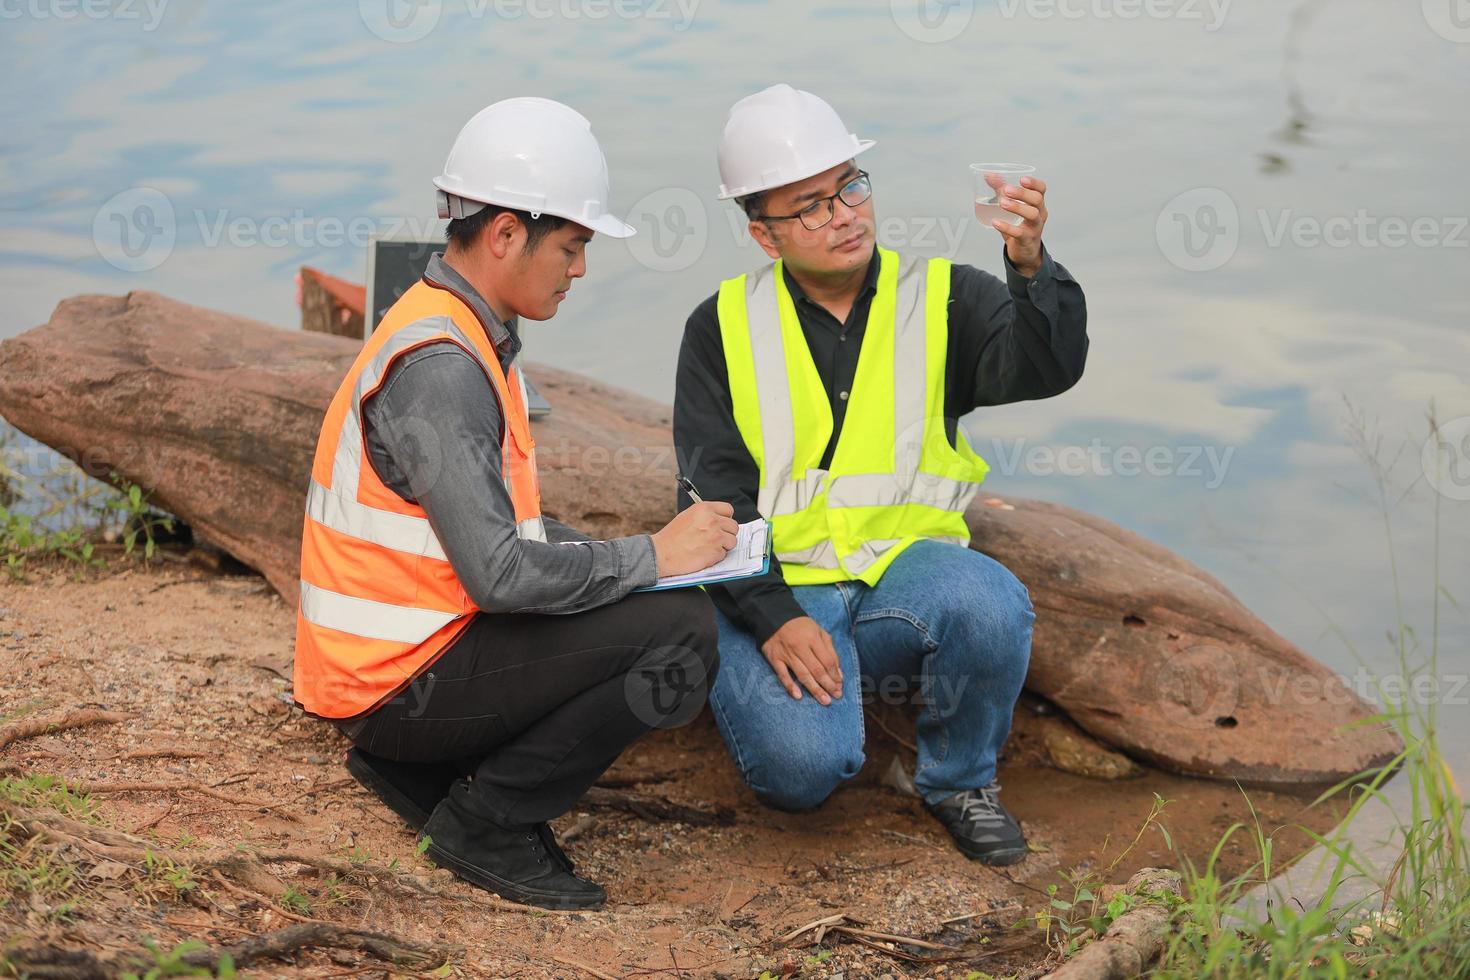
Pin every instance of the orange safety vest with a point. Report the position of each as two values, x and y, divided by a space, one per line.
379 600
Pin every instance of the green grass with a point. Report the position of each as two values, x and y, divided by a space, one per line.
293 900
160 874
1406 917
171 963
28 871
1076 911
50 793
62 514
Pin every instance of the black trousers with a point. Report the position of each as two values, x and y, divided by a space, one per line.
537 707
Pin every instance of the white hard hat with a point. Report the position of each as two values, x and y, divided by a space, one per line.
778 136
533 155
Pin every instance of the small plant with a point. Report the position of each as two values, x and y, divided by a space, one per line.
175 878
32 872
171 963
294 901
48 792
17 541
138 518
21 540
27 869
790 970
59 512
1082 912
331 891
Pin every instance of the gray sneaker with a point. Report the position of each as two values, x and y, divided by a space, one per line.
980 826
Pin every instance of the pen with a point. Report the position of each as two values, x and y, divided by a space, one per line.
688 487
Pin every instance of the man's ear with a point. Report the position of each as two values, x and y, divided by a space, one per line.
761 232
501 234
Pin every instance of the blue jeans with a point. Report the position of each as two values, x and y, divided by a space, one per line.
946 628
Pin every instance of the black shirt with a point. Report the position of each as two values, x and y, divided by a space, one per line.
1008 341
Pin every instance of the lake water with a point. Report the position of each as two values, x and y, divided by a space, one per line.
1265 202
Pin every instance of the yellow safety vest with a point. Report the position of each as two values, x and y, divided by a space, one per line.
895 478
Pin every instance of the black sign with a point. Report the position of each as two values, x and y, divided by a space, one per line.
395 265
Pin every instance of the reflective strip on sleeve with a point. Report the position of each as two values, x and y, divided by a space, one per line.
531 529
368 619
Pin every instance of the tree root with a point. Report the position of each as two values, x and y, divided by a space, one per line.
282 942
655 807
53 963
46 724
250 868
144 787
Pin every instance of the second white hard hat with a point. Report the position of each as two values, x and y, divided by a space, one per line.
533 155
778 136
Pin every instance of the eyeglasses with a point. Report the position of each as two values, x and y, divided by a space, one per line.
819 213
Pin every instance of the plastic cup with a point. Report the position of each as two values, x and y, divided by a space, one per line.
987 203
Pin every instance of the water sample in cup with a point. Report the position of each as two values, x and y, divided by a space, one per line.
987 201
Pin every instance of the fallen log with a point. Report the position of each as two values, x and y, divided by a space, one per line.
330 305
218 415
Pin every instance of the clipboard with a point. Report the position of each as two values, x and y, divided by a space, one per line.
745 565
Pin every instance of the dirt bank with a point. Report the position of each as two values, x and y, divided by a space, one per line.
199 662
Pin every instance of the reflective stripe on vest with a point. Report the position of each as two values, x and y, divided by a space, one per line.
373 620
400 532
379 598
858 516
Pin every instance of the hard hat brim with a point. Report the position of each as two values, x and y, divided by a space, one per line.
860 146
611 227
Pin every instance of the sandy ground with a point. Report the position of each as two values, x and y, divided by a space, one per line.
199 662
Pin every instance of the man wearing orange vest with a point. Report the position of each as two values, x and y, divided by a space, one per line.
487 662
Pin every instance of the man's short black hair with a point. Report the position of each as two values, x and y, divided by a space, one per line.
752 203
463 232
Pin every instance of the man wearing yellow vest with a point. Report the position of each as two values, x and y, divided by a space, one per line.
822 392
488 662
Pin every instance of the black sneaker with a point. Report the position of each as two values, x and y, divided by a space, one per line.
980 826
410 789
522 863
552 847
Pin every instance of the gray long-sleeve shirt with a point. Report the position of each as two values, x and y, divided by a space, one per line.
433 431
